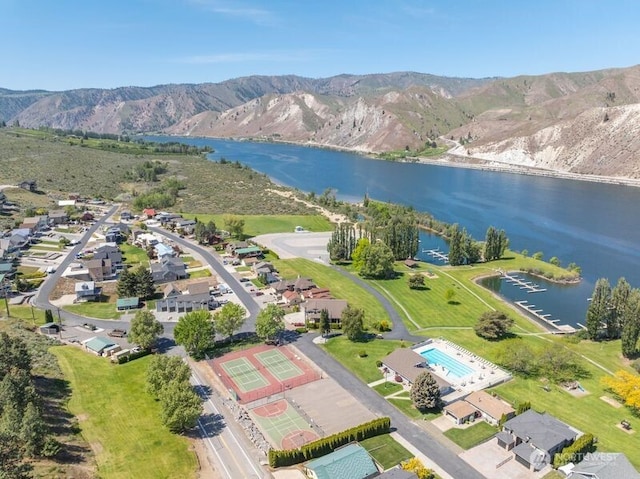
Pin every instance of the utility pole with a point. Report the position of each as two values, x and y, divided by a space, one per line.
5 292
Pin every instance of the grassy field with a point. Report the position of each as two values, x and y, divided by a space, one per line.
365 368
121 421
387 388
262 224
98 310
133 255
471 436
386 450
406 406
340 286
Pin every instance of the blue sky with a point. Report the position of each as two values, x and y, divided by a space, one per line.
67 44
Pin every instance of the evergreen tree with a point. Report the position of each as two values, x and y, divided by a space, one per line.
456 255
127 284
12 465
599 308
425 392
325 322
495 244
145 288
48 316
631 325
619 297
33 431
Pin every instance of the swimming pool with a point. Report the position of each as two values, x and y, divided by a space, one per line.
440 358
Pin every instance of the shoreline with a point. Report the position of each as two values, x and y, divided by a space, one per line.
446 160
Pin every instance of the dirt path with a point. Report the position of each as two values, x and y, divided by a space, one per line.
333 217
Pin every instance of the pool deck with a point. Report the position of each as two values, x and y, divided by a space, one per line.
484 373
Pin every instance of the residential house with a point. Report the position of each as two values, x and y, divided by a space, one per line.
298 285
312 309
610 465
250 261
291 298
111 253
117 233
35 223
5 285
491 408
200 287
168 269
19 239
171 290
186 226
29 185
7 270
535 438
162 250
150 213
397 473
406 364
167 218
265 271
185 303
251 251
87 217
461 412
232 247
126 304
317 293
126 215
100 269
98 344
348 462
57 217
87 291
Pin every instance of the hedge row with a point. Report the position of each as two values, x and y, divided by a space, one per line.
321 447
575 451
125 358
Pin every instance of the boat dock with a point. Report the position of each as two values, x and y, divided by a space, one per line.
529 286
436 253
531 309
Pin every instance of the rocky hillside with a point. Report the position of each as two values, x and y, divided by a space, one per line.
585 123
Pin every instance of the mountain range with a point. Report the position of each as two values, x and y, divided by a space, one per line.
583 123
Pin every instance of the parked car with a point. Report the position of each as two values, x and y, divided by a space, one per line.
117 333
244 280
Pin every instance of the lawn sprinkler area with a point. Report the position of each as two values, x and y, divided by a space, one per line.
262 372
283 425
464 370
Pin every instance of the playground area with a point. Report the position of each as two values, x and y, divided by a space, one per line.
284 425
261 372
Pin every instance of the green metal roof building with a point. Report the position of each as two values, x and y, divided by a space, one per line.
349 462
98 344
123 304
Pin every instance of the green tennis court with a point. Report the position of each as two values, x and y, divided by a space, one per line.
279 365
244 374
285 427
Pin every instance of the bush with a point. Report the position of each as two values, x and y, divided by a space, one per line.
321 447
362 353
574 452
636 365
378 363
382 326
302 330
125 358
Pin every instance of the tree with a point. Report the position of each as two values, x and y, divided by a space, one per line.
538 255
325 322
496 243
352 322
455 245
358 254
625 385
181 406
493 325
524 252
33 431
631 325
619 298
342 242
449 294
599 310
12 465
145 329
195 331
425 392
270 322
127 283
13 355
145 288
164 369
234 225
414 465
416 281
518 357
378 261
48 316
554 261
229 319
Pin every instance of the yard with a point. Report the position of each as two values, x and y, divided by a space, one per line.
386 450
471 436
121 421
100 309
133 255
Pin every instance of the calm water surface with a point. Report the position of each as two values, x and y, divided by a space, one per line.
594 225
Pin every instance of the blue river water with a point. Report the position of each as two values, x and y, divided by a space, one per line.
595 225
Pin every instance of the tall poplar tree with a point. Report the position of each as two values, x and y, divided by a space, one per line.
599 309
631 325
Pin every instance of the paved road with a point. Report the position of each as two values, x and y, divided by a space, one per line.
215 262
433 449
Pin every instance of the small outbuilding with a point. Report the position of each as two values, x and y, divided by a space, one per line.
50 328
98 344
125 304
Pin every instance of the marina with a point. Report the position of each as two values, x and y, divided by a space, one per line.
436 253
529 286
535 312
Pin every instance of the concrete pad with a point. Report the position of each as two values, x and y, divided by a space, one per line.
486 456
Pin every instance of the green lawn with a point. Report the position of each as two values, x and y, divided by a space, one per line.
341 287
98 310
365 368
406 406
133 255
263 224
471 436
121 421
201 273
386 450
27 313
387 388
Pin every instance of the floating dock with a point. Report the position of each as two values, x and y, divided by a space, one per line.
437 254
529 286
530 308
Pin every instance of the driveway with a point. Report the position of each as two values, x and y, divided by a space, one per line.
297 245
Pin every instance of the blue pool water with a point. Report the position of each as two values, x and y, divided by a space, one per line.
436 357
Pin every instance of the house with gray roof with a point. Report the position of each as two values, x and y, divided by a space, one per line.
168 269
313 308
397 473
535 438
408 365
348 462
87 291
603 465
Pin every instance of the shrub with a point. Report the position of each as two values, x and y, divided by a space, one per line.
125 358
382 326
378 363
321 447
302 330
574 452
362 353
636 365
